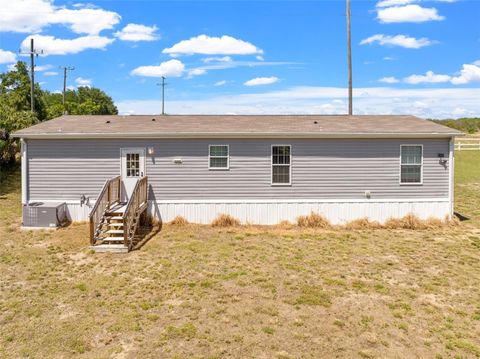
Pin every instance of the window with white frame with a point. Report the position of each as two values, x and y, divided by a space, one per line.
218 157
133 165
411 160
281 164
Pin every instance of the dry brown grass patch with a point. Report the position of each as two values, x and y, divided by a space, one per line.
285 225
313 220
362 223
410 221
225 220
179 221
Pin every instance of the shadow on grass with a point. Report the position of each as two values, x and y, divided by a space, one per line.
9 180
145 233
461 217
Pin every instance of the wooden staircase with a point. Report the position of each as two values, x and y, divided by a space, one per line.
114 225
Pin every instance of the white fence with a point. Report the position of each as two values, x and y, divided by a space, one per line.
467 144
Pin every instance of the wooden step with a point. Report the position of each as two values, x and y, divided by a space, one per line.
109 239
113 248
118 218
114 231
115 224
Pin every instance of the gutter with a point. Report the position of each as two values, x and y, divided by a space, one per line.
192 135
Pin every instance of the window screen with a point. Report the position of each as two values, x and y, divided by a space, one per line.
280 164
411 164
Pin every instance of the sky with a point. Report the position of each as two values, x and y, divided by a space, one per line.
415 57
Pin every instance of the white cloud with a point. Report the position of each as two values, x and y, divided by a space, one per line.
388 58
50 73
83 82
388 3
220 83
137 32
429 77
408 13
196 72
261 81
217 59
397 40
40 68
433 103
31 16
207 45
389 80
468 74
171 68
53 46
7 57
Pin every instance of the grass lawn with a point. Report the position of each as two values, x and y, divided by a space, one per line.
246 292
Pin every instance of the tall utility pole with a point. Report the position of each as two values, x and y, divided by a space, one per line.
163 93
65 69
349 49
32 54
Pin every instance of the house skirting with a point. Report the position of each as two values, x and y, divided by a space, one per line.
274 211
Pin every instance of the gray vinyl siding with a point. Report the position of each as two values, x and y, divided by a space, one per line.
321 169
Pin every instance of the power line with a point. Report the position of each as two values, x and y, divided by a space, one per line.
32 54
65 69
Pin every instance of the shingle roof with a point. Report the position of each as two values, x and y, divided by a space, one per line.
236 126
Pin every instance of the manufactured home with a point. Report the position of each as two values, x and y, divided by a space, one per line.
259 169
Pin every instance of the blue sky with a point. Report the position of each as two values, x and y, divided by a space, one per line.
409 56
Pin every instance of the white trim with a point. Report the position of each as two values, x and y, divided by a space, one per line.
228 159
24 154
273 213
302 200
293 200
451 178
400 167
79 135
289 166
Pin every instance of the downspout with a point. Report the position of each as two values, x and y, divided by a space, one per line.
24 159
451 165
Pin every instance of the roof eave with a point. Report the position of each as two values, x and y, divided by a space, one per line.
190 135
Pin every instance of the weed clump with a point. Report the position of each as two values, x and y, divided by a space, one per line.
410 221
225 220
313 220
362 223
179 221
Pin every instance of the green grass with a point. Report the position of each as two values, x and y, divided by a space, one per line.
467 167
202 292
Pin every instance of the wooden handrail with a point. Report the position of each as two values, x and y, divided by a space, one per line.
109 194
135 207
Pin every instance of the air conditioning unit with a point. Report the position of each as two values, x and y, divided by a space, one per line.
44 214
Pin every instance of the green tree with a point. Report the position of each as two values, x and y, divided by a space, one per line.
15 111
15 91
83 101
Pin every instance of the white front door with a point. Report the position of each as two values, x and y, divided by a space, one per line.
133 168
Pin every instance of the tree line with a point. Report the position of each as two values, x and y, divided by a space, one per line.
15 111
467 125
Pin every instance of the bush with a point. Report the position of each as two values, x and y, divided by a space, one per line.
179 221
313 220
362 223
225 220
